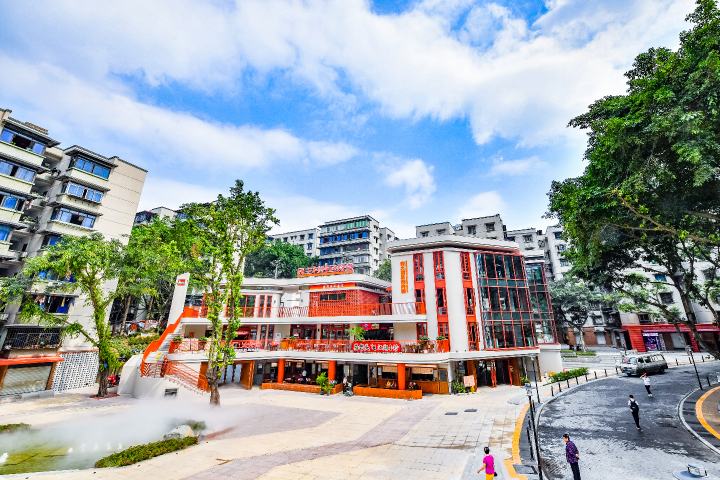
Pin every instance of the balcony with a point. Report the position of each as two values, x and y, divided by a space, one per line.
14 183
21 154
72 200
331 346
86 177
9 215
68 228
362 310
32 338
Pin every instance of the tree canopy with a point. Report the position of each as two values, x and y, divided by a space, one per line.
649 199
384 271
574 303
277 260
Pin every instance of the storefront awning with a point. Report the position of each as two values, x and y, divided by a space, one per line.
27 360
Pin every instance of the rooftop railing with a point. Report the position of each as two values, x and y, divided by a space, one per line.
336 346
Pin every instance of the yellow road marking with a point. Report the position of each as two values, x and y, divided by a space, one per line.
516 446
698 412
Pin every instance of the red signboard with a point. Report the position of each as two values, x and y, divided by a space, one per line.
376 347
326 270
328 286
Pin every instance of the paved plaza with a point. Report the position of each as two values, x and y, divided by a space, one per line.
274 434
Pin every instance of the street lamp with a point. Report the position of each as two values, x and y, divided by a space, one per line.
528 389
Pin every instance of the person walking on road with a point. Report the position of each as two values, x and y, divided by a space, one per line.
635 409
488 465
572 456
648 385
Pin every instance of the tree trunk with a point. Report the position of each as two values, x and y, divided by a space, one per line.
127 307
103 380
213 379
582 339
690 323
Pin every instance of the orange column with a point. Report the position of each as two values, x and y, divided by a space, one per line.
281 370
401 376
331 370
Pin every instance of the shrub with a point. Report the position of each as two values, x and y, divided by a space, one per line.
561 376
196 426
145 452
14 427
524 380
587 353
322 382
458 387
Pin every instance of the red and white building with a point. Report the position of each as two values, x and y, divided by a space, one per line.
459 309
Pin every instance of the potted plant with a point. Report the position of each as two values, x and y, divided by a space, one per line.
322 382
524 381
424 339
357 333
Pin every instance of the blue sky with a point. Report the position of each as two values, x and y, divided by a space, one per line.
412 111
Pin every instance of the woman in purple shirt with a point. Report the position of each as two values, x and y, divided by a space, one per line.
488 465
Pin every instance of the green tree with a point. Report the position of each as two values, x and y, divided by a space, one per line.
648 200
101 274
277 260
384 271
574 303
225 232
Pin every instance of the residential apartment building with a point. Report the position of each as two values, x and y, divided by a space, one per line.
308 240
459 308
490 227
356 240
46 193
147 216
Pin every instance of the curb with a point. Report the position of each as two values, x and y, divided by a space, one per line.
688 428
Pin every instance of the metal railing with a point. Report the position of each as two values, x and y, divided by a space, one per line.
343 346
176 372
371 309
31 338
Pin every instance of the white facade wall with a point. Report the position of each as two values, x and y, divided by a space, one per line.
457 320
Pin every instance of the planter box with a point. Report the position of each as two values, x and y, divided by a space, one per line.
297 387
387 393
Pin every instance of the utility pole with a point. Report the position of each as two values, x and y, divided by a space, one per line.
689 349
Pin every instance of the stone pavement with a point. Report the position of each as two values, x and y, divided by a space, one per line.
598 420
289 435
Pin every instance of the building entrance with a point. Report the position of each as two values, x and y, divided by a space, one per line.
359 374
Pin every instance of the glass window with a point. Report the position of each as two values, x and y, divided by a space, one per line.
10 202
6 136
499 267
479 265
51 239
90 167
659 277
5 232
74 217
25 174
490 264
508 266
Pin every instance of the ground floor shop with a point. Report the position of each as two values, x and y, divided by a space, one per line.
658 338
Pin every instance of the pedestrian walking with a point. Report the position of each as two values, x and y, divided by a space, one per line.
635 409
648 385
572 456
488 465
345 380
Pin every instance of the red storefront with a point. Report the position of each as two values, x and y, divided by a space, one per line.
646 338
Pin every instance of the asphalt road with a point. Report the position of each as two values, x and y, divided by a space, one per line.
598 420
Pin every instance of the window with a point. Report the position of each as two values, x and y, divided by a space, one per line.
328 297
285 239
666 297
74 217
5 232
12 202
309 246
564 263
469 301
561 247
660 277
472 229
82 192
510 239
709 274
418 267
51 240
14 170
441 232
644 319
527 238
490 227
90 167
465 265
441 301
439 265
302 237
22 141
424 234
558 235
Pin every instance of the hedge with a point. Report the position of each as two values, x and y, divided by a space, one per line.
145 452
561 376
14 427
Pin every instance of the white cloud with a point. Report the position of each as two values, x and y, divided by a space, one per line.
162 192
111 116
482 204
416 177
517 167
510 78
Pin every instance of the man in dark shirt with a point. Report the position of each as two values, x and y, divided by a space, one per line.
572 456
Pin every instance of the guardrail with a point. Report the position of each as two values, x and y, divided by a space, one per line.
176 372
371 309
342 346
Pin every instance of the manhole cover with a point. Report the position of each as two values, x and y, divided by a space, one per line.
451 413
471 410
